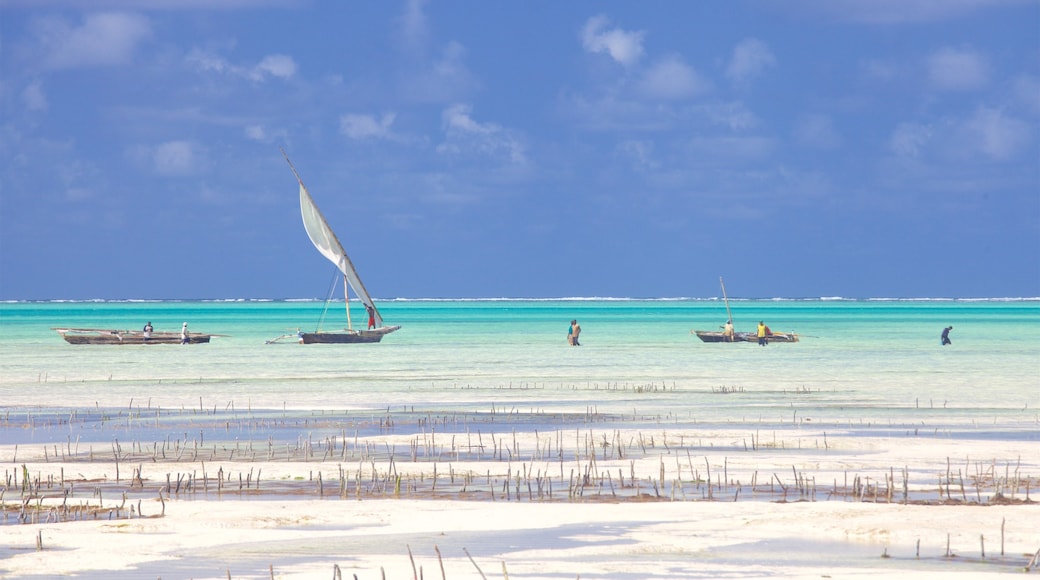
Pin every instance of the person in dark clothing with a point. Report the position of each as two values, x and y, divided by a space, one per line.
945 339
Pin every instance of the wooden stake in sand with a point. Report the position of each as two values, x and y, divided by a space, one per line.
479 571
440 561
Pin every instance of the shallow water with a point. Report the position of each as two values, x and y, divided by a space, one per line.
862 369
875 358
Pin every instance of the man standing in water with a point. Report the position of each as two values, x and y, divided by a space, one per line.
727 331
573 332
762 332
945 339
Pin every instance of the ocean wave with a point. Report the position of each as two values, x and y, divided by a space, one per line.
520 299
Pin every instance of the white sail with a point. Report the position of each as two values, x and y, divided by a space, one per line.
324 239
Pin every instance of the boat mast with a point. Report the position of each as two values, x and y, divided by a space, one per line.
346 300
729 315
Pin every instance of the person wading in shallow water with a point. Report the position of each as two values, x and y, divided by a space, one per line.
945 338
727 331
763 332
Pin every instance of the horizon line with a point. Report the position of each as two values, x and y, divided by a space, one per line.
554 299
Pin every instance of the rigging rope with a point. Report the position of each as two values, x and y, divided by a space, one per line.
328 298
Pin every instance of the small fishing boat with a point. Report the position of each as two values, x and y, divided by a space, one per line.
716 336
325 241
110 336
720 336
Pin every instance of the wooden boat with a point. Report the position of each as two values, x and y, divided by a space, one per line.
715 336
347 335
109 336
718 336
325 241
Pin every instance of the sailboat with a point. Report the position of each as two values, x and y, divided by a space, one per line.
324 239
717 336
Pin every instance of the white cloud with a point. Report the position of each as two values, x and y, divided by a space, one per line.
432 72
996 135
414 28
909 139
466 136
102 39
735 115
206 62
671 78
275 65
174 158
957 69
450 68
624 47
988 133
256 132
750 58
34 98
264 134
363 126
817 131
444 80
458 117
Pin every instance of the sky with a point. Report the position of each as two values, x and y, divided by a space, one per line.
521 148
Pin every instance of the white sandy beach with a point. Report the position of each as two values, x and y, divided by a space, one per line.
743 535
306 539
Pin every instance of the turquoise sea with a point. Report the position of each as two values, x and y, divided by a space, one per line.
859 360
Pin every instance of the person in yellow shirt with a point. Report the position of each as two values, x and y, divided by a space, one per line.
763 331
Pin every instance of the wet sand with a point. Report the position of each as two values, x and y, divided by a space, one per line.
536 495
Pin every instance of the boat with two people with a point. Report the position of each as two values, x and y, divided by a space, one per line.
727 334
328 245
112 336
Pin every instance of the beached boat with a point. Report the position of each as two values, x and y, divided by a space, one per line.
720 336
110 336
324 239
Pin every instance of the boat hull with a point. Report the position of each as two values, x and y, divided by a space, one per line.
126 337
347 336
714 336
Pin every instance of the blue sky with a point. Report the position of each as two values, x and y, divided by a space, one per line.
806 148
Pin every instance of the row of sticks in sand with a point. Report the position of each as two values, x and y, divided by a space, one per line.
379 472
